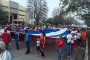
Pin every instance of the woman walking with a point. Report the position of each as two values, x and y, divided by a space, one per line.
60 46
42 44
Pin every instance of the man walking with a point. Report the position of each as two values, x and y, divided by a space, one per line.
5 38
69 39
27 41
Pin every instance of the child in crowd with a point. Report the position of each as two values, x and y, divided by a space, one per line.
38 47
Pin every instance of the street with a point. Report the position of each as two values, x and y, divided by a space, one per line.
50 52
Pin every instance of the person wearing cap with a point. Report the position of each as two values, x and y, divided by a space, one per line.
60 46
5 38
4 54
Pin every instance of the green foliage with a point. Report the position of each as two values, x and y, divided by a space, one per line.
49 20
3 16
87 18
58 20
73 7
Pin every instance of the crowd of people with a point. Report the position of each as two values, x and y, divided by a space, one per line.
76 37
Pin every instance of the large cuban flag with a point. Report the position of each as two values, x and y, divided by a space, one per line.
50 33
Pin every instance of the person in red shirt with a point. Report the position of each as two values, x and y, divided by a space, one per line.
42 43
5 38
60 46
83 38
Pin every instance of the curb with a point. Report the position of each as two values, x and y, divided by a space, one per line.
86 51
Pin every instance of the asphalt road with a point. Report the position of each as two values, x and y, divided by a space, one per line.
50 52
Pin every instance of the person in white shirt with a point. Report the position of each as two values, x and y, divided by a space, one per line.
72 42
69 39
4 54
78 38
74 39
25 27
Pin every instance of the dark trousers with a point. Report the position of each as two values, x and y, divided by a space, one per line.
83 43
79 42
17 45
6 46
42 50
27 45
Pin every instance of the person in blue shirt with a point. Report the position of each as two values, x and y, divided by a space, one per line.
27 41
16 37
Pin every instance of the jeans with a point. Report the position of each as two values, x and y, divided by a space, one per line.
0 39
59 50
68 46
6 46
27 45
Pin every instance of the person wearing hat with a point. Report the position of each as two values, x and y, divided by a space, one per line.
5 36
4 54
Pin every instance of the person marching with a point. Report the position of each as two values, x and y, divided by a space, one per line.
69 39
60 46
79 37
27 41
16 37
42 43
5 36
72 42
75 40
83 38
37 47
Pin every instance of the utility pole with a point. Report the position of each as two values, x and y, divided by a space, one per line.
9 12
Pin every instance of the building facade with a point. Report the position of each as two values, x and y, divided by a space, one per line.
15 12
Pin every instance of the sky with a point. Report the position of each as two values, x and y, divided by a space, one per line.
51 5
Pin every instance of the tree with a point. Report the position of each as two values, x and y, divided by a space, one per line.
58 20
56 12
49 20
37 10
80 7
3 15
70 21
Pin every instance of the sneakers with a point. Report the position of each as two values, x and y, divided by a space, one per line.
27 52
